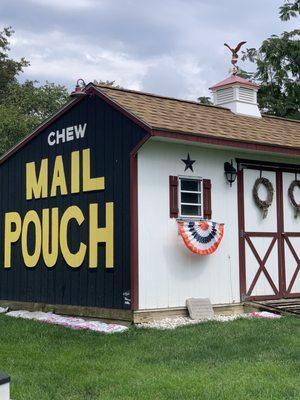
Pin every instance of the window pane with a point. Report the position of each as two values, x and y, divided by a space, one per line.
191 210
189 184
190 198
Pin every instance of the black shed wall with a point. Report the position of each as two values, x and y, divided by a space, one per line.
111 136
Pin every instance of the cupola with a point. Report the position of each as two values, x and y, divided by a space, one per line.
236 93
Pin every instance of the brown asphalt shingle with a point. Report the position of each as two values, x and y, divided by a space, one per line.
175 115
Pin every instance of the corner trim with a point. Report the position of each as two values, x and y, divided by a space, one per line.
134 237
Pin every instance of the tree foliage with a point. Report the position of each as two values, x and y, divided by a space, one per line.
278 69
9 68
289 9
38 102
22 106
107 83
205 100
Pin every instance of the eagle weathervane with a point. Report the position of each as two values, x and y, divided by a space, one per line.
235 55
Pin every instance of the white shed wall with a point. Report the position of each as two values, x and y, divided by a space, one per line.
169 273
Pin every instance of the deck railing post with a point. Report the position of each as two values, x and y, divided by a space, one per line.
4 386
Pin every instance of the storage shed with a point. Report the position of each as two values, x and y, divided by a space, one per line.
124 204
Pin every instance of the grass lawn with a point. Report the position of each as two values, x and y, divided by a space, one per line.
243 359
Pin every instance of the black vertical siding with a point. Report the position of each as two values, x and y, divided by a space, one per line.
110 136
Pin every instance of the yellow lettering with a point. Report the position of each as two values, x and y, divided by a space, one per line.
30 260
59 179
37 187
89 183
50 256
75 172
74 260
101 235
10 235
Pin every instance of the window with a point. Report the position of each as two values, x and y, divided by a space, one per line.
190 197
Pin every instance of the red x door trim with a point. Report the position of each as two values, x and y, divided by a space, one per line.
262 264
297 259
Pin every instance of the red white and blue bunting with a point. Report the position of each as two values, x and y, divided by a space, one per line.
201 237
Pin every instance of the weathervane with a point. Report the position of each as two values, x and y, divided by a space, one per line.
235 56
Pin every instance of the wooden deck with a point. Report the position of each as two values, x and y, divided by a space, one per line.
282 306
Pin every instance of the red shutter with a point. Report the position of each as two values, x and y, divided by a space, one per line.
207 198
173 187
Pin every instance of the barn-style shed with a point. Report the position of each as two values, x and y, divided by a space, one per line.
124 204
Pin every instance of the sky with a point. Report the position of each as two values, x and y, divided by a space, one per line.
169 47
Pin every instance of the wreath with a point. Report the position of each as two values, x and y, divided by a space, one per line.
291 195
263 204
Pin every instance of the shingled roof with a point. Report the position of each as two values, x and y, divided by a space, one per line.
187 117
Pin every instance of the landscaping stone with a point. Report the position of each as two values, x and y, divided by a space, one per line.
173 323
199 308
68 321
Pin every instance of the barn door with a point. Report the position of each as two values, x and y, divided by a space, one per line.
291 240
260 239
269 247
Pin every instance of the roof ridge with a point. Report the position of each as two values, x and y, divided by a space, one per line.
138 92
282 118
160 96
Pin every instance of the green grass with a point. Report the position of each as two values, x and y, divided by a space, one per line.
243 359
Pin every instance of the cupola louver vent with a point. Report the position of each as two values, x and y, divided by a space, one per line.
224 95
246 94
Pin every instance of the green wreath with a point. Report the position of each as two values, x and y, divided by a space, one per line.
263 204
291 195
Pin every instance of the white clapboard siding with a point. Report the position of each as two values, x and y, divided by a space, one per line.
169 273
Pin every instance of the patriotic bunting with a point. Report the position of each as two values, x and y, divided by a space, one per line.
201 237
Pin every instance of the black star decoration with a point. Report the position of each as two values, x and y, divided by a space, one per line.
188 163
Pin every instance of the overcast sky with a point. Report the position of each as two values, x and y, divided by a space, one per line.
171 47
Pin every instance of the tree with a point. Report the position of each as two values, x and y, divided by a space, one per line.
278 68
9 68
205 100
13 125
107 83
289 9
38 102
22 106
244 74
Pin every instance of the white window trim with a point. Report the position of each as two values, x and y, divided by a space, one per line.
194 178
